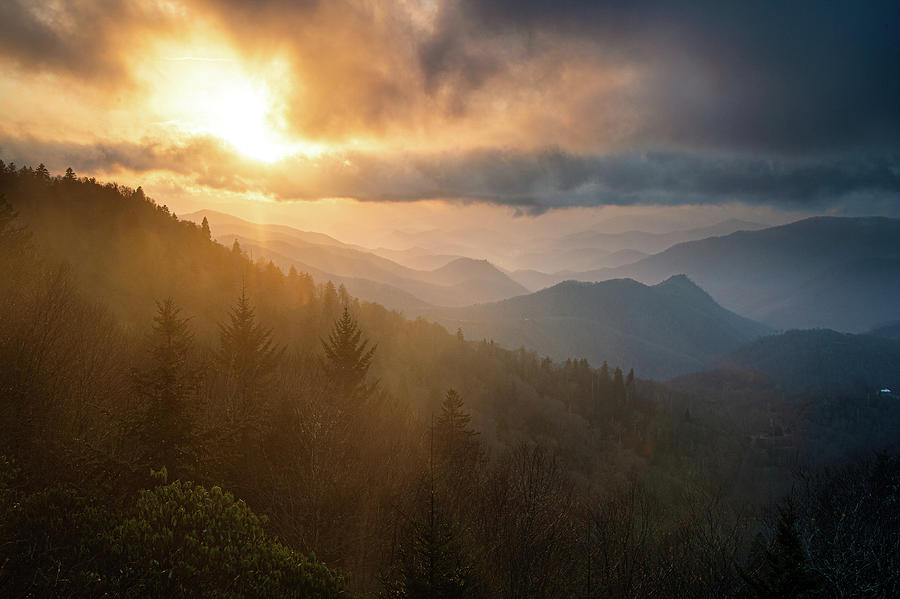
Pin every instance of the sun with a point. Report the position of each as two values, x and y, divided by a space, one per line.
241 114
216 97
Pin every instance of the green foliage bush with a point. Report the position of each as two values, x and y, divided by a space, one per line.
185 540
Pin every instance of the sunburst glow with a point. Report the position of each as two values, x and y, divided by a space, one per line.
241 114
216 97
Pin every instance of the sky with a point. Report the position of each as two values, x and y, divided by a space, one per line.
358 116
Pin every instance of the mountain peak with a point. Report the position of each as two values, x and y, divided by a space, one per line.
681 280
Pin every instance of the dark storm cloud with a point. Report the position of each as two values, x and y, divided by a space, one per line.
531 181
526 103
553 178
781 76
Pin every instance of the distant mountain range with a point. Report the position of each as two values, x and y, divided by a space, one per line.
663 330
651 243
823 272
549 253
839 273
457 282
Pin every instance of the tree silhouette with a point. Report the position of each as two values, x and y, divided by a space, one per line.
455 441
431 563
204 226
169 387
347 359
247 357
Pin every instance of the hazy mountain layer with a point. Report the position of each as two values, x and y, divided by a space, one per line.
841 273
664 330
459 282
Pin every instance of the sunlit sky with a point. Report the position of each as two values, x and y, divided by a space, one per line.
355 117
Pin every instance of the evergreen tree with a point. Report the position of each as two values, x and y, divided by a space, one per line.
431 563
455 441
169 388
780 569
42 173
247 357
204 226
236 247
347 359
69 177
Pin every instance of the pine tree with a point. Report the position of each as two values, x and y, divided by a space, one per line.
248 358
455 441
236 247
347 360
781 569
204 226
431 563
69 177
169 388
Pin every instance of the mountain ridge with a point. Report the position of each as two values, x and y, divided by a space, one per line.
762 274
673 327
462 281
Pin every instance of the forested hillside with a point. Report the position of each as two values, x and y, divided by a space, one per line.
180 421
889 330
822 359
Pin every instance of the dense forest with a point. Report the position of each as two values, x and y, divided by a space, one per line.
177 419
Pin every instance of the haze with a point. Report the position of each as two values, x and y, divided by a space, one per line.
449 299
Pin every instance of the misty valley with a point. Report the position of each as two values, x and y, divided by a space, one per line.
200 405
